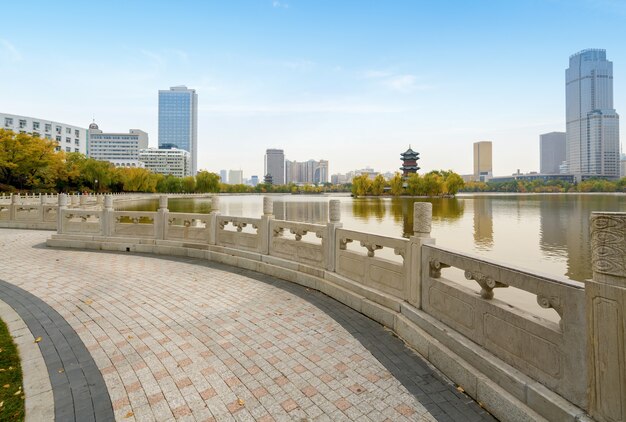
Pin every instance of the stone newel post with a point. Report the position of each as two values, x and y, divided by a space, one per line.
215 211
75 201
160 222
60 210
606 317
268 214
422 219
334 213
13 206
108 222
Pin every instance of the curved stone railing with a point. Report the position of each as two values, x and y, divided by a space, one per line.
518 365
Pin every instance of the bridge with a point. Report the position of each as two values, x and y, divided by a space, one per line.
516 365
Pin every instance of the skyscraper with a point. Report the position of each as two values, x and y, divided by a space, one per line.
178 121
275 165
592 122
551 152
483 165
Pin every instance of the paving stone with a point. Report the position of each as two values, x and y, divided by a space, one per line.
186 339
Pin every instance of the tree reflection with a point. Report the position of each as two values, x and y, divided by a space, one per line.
444 209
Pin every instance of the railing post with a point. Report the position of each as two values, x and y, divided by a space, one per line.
422 219
160 221
62 198
74 200
215 211
13 207
107 222
605 304
268 214
334 214
42 208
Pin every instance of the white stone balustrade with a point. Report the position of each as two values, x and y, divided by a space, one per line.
520 366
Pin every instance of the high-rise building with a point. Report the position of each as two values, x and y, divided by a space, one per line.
275 165
306 172
622 166
224 176
68 138
121 149
235 177
176 162
551 152
483 165
178 121
592 122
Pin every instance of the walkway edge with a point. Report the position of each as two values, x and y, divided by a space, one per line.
39 401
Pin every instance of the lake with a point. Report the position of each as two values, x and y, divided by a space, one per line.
546 233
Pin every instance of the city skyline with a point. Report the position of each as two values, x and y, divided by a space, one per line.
268 76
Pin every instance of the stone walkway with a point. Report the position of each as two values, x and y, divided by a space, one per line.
183 339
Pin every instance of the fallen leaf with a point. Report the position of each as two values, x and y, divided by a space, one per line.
129 415
460 389
88 302
17 393
38 339
129 337
6 385
1 403
241 402
61 370
2 369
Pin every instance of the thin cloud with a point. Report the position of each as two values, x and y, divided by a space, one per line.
403 83
9 51
280 5
157 58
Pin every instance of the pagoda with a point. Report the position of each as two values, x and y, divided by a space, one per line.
268 179
409 162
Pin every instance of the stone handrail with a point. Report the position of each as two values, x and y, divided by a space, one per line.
368 269
548 352
476 339
289 240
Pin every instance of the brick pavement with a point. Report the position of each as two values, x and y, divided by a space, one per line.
192 340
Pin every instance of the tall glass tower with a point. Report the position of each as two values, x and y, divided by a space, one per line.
592 131
178 121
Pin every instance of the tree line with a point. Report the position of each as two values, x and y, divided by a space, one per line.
30 163
541 186
434 183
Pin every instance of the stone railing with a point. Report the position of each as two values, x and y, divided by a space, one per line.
518 365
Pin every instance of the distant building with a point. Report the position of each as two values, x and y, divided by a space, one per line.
483 166
551 152
178 121
176 162
306 172
409 162
69 138
121 149
622 166
254 180
275 165
224 176
592 124
235 177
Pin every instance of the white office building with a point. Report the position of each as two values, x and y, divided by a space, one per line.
275 165
592 122
178 121
235 177
121 149
176 162
306 172
551 152
68 138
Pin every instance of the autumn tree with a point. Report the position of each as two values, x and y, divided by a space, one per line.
207 182
396 184
378 185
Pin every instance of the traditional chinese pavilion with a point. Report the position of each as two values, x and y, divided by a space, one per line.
409 162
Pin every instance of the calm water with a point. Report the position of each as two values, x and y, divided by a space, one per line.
545 233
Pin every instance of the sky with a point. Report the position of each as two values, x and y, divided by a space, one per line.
352 82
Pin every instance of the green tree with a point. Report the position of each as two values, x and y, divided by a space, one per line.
207 182
378 185
453 183
188 184
361 185
396 183
415 185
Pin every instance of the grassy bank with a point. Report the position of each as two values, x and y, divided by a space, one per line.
11 391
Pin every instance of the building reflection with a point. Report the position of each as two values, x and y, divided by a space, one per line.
573 241
310 212
483 222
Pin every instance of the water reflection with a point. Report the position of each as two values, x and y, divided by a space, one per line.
307 211
401 210
483 222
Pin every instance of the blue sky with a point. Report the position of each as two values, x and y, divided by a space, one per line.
354 82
